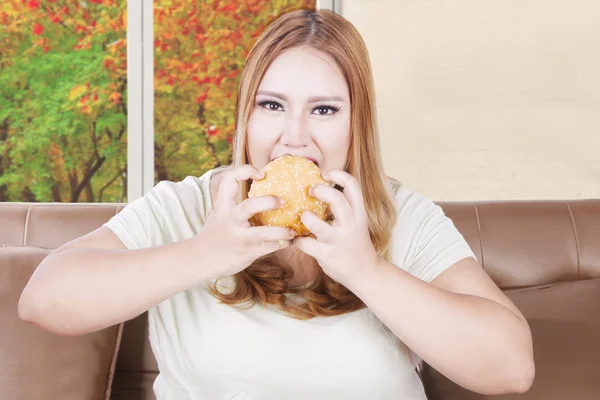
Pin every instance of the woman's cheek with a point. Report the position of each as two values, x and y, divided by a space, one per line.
332 136
334 143
264 125
262 137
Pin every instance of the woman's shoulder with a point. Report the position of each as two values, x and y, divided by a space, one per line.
215 180
412 205
191 192
404 196
190 183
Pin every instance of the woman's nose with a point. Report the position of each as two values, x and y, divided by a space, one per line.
295 132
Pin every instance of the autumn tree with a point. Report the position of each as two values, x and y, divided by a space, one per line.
63 100
63 91
200 48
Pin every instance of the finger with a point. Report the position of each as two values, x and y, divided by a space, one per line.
321 229
228 190
267 247
336 200
270 233
308 245
352 189
247 208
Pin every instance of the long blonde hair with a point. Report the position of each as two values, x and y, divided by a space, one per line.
265 281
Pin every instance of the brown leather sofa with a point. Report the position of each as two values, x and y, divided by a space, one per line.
544 254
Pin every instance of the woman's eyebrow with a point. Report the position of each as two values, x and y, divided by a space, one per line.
317 99
314 99
273 94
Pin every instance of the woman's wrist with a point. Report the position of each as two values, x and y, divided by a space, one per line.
206 257
367 280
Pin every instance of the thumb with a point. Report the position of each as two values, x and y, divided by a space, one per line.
308 245
270 246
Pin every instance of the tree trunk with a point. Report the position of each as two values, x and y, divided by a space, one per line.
56 196
159 162
89 173
28 196
3 137
89 193
124 186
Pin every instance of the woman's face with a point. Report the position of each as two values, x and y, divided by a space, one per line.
302 107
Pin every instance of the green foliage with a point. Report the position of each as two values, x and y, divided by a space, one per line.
63 92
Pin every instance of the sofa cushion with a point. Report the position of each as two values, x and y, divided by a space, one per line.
36 364
136 368
565 325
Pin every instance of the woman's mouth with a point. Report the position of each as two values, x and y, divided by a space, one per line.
308 158
313 160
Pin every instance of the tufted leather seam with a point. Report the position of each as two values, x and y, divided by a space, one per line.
576 238
113 362
479 234
26 226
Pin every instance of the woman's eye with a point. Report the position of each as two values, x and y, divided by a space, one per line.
270 105
320 110
326 110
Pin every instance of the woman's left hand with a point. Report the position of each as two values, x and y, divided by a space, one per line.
343 248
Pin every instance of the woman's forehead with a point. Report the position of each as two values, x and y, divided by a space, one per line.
304 72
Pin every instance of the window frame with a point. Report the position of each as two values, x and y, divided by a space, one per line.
140 93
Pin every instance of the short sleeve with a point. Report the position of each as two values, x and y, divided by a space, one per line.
169 212
433 243
135 221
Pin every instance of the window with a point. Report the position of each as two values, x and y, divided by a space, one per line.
101 99
63 101
199 53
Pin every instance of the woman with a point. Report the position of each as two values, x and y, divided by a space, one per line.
242 311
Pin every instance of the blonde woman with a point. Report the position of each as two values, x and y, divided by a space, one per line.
252 312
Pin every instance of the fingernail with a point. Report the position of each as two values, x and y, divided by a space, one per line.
281 202
292 232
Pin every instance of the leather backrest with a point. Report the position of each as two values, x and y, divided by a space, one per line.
519 243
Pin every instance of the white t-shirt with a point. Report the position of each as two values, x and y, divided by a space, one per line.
210 351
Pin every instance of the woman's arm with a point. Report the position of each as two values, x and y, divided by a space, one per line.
461 324
95 282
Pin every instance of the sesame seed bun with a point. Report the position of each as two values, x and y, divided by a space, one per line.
289 177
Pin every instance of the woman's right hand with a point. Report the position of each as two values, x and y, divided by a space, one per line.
227 237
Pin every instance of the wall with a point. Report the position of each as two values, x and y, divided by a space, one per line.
495 99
